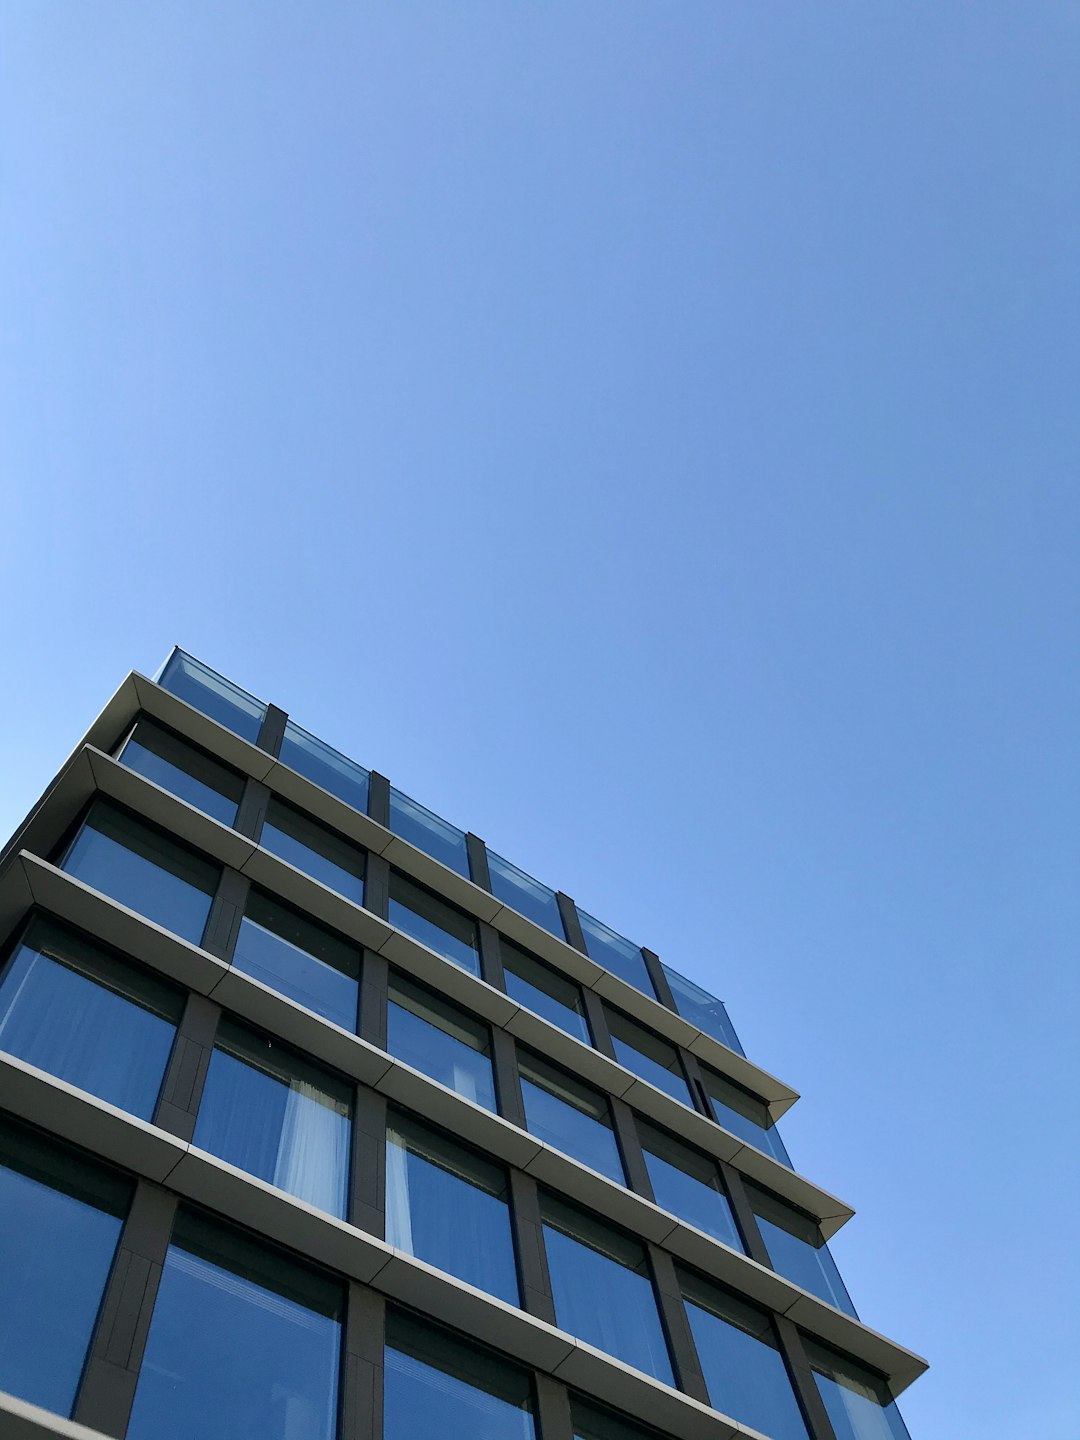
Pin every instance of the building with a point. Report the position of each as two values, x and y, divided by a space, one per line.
320 1118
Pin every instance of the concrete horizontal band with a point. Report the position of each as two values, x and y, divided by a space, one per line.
19 1420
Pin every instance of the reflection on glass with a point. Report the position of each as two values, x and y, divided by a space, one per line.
686 1183
440 926
572 1116
744 1115
857 1400
144 870
429 832
741 1361
448 1207
703 1010
648 1056
440 1040
244 1344
797 1248
298 958
317 851
273 1114
524 894
88 1019
541 990
616 954
59 1224
191 680
603 1293
435 1385
324 765
184 771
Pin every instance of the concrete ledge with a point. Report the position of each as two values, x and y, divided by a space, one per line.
19 1420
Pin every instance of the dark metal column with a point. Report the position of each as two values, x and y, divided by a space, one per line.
272 730
181 1092
535 1281
362 1378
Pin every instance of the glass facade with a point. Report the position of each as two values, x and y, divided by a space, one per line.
857 1400
324 766
440 1040
189 679
702 1009
244 1344
544 992
291 954
591 1423
648 1056
603 1293
448 1207
321 853
564 1112
429 832
686 1182
88 1018
797 1249
615 953
274 1114
524 894
436 923
184 771
744 1115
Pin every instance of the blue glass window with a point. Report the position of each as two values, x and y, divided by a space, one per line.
324 765
857 1400
744 1372
184 771
616 954
797 1248
191 680
87 1018
144 870
603 1293
686 1182
440 1040
744 1115
648 1056
60 1221
274 1114
572 1116
244 1344
429 832
300 959
437 1385
314 849
544 992
448 1207
440 926
703 1010
525 895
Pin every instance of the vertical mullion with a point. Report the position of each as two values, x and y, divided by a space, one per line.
743 1211
676 1323
504 1061
479 871
254 803
598 1025
226 913
189 1061
659 979
534 1277
272 730
629 1142
361 1415
374 994
575 936
802 1379
491 964
554 1416
378 807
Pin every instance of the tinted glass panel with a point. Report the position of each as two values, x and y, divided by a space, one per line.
686 1183
428 832
435 1385
436 924
59 1224
703 1010
857 1401
593 1424
243 1345
275 1115
524 894
602 1289
648 1056
745 1116
615 953
144 870
441 1041
88 1019
215 696
448 1207
303 961
542 991
183 771
311 847
326 766
744 1373
797 1249
574 1118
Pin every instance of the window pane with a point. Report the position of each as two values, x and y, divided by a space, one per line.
215 696
435 1385
703 1010
244 1344
602 1289
857 1401
745 1116
435 923
648 1056
744 1373
88 1019
686 1183
552 996
448 1207
573 1117
311 847
144 870
797 1249
271 1113
301 960
615 953
429 832
439 1040
184 771
327 767
59 1225
524 894
593 1424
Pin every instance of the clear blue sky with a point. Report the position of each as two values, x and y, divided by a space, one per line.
635 428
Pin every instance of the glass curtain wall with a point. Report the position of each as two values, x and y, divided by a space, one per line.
648 1056
291 954
524 894
429 832
797 1249
572 1116
325 766
184 771
857 1400
744 1115
686 1182
540 989
190 680
440 1040
616 953
313 848
436 923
